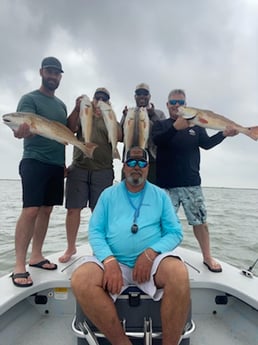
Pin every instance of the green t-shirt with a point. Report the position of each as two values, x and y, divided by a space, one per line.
102 156
37 147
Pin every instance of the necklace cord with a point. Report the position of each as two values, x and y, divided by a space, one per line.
136 209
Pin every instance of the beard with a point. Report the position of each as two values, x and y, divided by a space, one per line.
50 84
143 102
135 180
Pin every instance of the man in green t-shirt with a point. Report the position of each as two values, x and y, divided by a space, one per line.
42 173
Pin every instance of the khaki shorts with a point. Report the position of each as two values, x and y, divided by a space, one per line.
148 287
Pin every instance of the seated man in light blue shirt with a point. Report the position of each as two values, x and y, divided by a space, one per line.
133 232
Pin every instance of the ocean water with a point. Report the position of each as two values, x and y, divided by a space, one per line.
232 219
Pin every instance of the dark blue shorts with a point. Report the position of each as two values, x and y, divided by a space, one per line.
42 183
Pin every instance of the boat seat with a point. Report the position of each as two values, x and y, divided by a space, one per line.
140 317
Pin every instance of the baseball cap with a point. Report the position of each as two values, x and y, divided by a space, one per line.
142 86
137 152
52 62
102 90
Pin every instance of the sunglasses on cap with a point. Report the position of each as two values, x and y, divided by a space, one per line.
175 101
131 163
142 92
101 96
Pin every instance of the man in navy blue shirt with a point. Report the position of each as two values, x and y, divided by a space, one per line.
178 168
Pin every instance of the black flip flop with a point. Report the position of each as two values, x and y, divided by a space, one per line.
42 263
20 275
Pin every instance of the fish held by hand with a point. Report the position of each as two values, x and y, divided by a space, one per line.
85 115
144 127
111 126
136 128
53 130
209 119
129 127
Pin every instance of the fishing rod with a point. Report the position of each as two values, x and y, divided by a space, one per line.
248 273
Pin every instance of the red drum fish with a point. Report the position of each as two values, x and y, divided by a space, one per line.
144 127
111 125
86 114
209 119
49 129
136 128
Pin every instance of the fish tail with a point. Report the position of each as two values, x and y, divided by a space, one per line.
116 154
252 132
88 149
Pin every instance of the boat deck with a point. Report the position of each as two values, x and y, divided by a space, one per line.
56 329
224 306
32 321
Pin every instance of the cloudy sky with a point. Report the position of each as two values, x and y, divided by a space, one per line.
207 47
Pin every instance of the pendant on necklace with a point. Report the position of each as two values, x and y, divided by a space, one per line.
134 228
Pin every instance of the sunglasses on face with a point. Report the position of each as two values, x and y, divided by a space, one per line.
131 163
176 101
101 96
142 93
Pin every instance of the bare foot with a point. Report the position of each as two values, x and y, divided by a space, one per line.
212 265
67 256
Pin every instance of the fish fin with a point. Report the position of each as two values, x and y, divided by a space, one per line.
253 132
202 120
116 154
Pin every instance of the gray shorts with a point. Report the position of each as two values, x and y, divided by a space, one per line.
192 200
148 287
83 187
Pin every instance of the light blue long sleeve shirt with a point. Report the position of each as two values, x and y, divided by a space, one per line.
111 221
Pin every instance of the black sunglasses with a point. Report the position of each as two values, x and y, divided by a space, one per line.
142 92
101 96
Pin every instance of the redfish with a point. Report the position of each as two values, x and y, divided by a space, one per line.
86 114
111 124
209 119
49 129
136 128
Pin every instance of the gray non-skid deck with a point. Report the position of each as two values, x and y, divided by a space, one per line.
30 324
52 330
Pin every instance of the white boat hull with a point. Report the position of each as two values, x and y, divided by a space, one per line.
224 306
